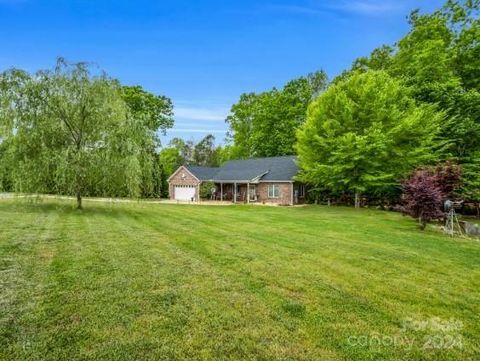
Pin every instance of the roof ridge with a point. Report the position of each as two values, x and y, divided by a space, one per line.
269 168
255 158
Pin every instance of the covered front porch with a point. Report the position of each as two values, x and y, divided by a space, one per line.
245 192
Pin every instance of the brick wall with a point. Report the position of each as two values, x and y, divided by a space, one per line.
285 193
285 197
184 178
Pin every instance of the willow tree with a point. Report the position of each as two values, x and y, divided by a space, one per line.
153 115
70 132
364 134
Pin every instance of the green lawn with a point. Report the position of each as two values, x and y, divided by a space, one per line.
158 281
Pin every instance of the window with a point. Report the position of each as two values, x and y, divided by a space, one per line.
273 191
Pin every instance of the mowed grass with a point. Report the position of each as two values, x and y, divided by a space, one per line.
157 281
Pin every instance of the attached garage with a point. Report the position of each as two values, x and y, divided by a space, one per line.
183 185
185 192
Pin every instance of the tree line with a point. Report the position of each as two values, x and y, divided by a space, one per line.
412 104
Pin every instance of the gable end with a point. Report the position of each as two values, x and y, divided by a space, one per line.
182 167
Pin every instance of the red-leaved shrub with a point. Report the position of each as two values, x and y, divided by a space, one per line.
426 190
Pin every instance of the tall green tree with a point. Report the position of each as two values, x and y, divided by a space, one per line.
435 59
6 184
439 60
153 114
264 124
206 153
183 148
364 134
176 153
70 132
470 187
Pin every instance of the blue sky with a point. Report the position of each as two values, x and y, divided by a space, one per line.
202 54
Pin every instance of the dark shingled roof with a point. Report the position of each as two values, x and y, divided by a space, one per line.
266 169
202 173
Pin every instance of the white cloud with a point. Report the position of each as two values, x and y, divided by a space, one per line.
193 113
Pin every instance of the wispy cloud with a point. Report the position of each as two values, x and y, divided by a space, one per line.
364 7
200 116
194 113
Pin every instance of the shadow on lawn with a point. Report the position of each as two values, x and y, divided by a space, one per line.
66 207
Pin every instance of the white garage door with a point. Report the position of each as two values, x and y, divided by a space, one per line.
184 193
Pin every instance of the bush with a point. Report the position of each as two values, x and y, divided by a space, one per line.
206 189
448 177
427 189
423 198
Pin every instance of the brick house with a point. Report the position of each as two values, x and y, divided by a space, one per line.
264 180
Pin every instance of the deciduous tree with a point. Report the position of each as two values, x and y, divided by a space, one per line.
264 124
206 153
153 115
70 132
365 133
439 59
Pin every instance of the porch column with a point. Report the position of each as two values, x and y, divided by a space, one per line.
221 191
291 194
248 192
234 192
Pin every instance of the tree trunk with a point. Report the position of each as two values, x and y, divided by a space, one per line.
422 224
357 200
79 200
